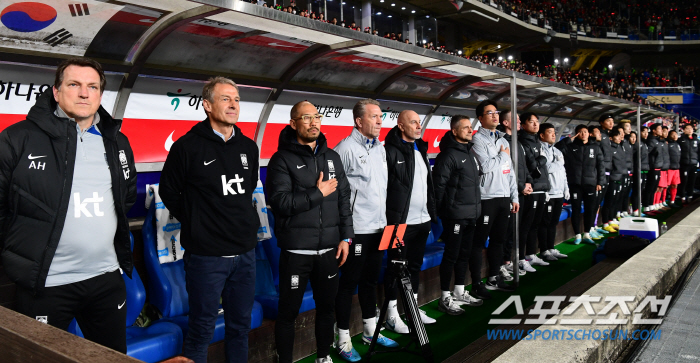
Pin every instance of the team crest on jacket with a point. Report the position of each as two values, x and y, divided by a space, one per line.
244 161
591 155
125 164
331 170
295 281
122 157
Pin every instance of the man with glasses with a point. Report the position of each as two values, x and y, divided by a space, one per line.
310 198
409 200
499 192
364 162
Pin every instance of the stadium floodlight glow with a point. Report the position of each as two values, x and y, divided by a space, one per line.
566 60
510 57
498 46
459 52
389 16
610 66
379 13
427 16
500 58
392 4
556 61
424 41
381 1
413 11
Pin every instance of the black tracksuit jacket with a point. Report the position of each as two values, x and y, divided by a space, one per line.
645 156
689 150
207 184
400 159
665 157
34 202
619 162
456 178
535 161
584 163
606 147
674 155
656 160
304 219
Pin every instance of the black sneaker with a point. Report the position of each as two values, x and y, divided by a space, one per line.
497 283
479 291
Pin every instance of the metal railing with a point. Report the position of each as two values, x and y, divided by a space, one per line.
657 90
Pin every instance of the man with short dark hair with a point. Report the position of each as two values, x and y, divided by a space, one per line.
674 175
532 205
656 162
585 171
67 180
689 163
410 200
558 191
207 183
458 203
310 198
499 192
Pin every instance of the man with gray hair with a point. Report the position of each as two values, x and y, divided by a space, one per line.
364 161
207 183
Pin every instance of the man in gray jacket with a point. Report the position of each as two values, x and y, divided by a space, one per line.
499 192
558 191
364 161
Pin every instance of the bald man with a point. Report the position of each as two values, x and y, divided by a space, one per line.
409 200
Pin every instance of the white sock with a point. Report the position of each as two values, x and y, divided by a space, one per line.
587 235
343 336
416 297
577 236
445 294
369 326
392 310
606 225
459 290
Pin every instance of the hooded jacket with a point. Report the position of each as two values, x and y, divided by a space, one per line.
619 162
665 157
689 150
34 201
523 175
456 178
559 185
606 147
656 160
674 155
536 162
305 219
401 163
645 156
364 161
584 163
497 180
207 184
629 154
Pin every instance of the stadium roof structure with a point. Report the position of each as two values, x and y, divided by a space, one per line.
264 47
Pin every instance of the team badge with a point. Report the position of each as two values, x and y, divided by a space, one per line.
244 161
295 281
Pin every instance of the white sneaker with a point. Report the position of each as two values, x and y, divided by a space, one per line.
426 319
509 267
536 261
525 266
506 275
466 299
395 324
548 256
326 359
557 254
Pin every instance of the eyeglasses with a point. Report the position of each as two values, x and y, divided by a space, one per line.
308 118
492 113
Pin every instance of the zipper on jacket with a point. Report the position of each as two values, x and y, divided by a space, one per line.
352 208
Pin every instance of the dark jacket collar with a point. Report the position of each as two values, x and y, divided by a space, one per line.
448 141
42 114
205 130
288 141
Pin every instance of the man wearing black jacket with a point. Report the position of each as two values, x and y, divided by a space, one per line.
67 180
533 204
409 199
616 178
207 183
606 125
458 202
585 171
310 198
642 168
524 188
689 162
656 162
629 164
674 175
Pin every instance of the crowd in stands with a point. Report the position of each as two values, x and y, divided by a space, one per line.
646 17
617 83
